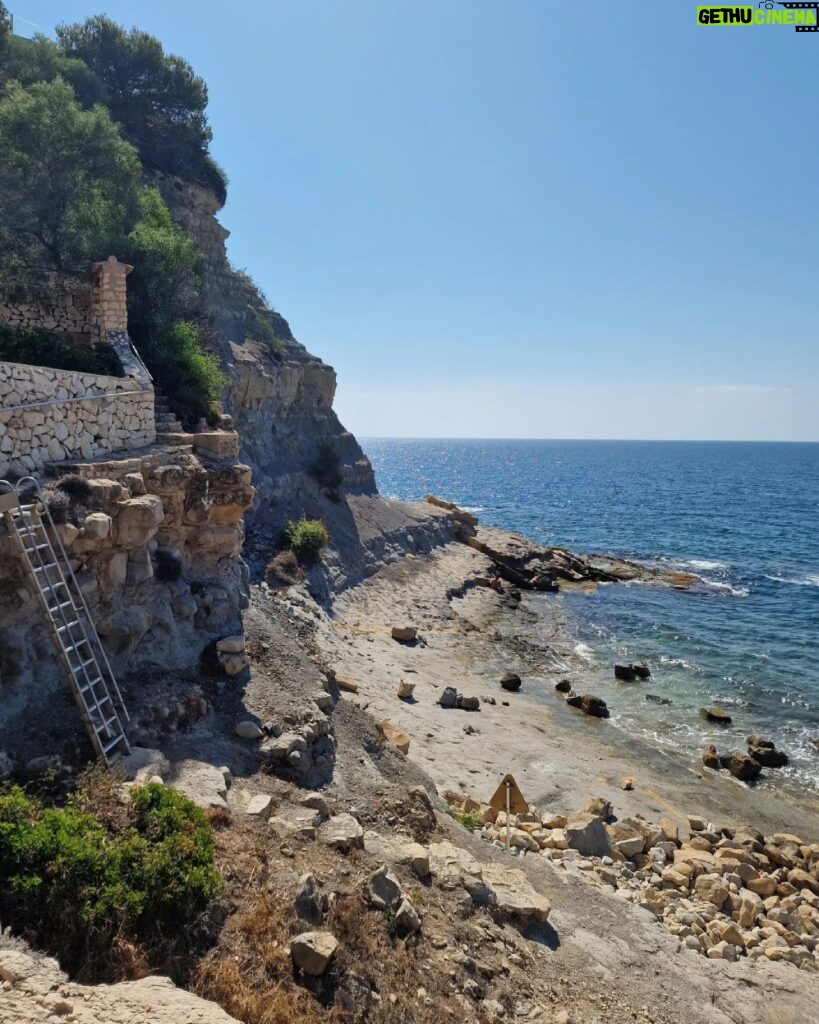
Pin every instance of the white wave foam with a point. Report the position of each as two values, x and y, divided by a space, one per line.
704 565
810 580
584 652
724 588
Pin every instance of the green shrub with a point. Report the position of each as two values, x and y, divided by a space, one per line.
327 467
305 538
38 347
469 819
77 884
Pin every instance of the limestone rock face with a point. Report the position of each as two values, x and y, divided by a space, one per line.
514 893
35 991
587 834
343 833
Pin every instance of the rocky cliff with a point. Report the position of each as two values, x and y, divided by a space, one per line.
280 396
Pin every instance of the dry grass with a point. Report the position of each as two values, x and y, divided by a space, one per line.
250 974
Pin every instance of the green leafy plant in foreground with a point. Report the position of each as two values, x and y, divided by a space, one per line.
77 883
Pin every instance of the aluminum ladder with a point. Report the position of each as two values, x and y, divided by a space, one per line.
79 648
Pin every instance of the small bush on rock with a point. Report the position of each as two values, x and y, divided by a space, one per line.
305 538
77 488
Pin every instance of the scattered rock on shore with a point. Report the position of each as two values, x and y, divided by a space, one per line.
510 681
468 703
405 690
404 634
564 686
716 715
710 758
394 736
449 698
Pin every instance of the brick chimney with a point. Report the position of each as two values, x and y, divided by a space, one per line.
109 296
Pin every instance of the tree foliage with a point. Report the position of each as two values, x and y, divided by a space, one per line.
69 184
156 97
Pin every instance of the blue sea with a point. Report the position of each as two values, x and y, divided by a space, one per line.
744 517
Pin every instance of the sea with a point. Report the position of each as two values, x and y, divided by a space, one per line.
742 517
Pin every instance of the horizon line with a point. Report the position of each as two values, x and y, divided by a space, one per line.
588 440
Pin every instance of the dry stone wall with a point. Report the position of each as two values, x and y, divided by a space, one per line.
62 304
49 415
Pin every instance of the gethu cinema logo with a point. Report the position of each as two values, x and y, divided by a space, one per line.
803 16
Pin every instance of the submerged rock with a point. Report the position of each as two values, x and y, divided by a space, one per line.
596 707
654 698
716 715
764 751
625 673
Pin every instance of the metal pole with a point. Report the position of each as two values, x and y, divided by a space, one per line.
508 813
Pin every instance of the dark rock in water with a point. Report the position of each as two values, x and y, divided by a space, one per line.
710 758
715 715
510 681
468 703
588 704
625 673
655 699
742 766
767 756
594 706
759 741
641 671
815 742
449 698
564 686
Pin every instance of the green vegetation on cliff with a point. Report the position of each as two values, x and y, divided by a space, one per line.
80 122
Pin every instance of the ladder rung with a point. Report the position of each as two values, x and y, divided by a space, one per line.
59 607
68 625
88 688
83 665
109 746
37 547
105 725
77 644
45 568
52 586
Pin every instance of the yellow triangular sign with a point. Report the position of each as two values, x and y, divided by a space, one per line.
517 803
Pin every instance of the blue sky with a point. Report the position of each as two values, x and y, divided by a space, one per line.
545 218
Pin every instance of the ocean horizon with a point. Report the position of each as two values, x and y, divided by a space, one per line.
739 515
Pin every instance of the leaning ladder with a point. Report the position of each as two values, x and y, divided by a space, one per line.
80 651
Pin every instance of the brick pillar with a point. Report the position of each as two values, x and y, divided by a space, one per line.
109 296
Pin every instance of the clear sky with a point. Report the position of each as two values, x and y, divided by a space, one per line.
520 218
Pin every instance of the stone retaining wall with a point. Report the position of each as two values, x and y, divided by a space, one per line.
49 415
64 305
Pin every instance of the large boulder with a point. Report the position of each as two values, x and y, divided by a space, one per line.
564 686
510 681
712 889
407 920
765 753
137 520
710 758
587 834
742 766
514 893
313 951
469 703
596 707
625 673
404 634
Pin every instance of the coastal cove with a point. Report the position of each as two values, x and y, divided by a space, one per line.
741 517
